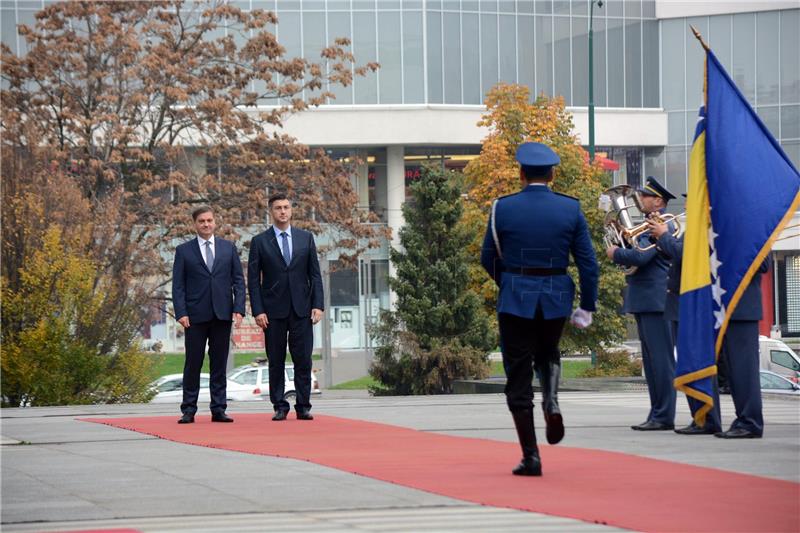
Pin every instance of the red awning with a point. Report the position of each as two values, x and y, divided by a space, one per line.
605 163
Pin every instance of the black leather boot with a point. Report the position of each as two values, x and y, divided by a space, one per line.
549 375
531 464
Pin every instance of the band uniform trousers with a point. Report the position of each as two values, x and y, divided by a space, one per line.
741 348
713 417
217 334
301 343
658 360
526 341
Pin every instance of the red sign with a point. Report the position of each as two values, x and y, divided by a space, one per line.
248 337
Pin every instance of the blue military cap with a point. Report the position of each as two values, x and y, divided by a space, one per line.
537 155
654 188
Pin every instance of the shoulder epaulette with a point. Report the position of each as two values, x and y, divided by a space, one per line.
567 196
506 196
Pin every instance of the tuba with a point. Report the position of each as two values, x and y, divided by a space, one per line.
621 204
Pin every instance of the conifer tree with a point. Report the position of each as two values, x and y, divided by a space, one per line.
438 330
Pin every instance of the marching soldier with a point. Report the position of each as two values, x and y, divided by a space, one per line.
526 250
644 298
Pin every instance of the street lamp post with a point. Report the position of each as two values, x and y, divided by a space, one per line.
591 77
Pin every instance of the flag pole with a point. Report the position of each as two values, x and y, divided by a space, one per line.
700 38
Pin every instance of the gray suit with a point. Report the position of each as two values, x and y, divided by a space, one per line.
645 297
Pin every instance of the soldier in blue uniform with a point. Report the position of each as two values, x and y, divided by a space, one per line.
739 349
526 250
644 298
671 247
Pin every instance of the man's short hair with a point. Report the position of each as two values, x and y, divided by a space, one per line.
200 210
535 173
275 197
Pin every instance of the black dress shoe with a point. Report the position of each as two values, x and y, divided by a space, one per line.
693 429
304 415
737 433
653 426
221 417
186 419
280 415
529 466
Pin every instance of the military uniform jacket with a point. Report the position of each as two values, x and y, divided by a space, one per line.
672 249
749 307
646 288
538 228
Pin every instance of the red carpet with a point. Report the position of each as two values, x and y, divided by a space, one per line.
595 486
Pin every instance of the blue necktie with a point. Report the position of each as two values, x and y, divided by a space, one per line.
285 246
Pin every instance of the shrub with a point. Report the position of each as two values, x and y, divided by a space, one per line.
614 363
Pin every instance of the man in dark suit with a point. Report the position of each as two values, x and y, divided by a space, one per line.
286 299
208 295
671 248
644 298
526 251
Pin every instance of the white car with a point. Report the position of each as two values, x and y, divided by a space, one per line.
251 382
772 382
170 389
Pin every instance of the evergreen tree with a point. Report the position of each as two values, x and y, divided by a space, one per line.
438 331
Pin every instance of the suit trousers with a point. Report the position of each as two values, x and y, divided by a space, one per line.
713 418
658 359
740 346
300 333
525 342
217 333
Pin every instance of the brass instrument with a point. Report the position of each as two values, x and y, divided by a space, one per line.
620 230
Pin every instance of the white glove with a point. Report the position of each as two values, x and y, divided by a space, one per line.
581 319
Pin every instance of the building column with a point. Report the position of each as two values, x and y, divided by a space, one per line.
395 197
362 182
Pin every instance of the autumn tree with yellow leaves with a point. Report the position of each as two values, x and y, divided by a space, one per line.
513 119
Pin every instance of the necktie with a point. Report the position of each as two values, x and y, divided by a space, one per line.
285 246
209 256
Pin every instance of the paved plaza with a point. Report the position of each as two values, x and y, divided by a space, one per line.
59 473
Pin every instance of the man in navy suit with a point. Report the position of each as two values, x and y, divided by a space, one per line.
526 250
644 298
208 296
287 300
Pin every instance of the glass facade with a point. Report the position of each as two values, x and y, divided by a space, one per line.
759 51
454 51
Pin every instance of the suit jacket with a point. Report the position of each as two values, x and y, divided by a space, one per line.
202 295
646 288
275 287
538 228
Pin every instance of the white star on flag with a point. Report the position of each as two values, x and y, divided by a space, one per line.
715 263
719 316
717 291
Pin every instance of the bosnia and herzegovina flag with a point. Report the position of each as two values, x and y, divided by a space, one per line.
742 192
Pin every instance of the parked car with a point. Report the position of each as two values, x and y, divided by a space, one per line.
170 389
776 357
251 382
772 382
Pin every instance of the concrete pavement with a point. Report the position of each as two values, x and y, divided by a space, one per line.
62 474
